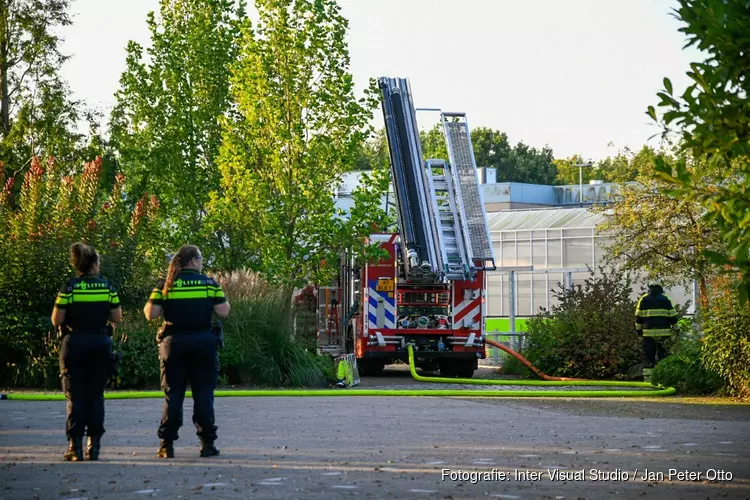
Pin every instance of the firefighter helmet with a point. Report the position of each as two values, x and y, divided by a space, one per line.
655 282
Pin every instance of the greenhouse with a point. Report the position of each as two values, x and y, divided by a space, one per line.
543 248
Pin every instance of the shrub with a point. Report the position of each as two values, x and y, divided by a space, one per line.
512 366
685 371
726 342
258 336
590 332
258 349
139 367
37 226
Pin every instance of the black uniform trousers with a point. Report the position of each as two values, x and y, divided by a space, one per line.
85 366
189 358
653 350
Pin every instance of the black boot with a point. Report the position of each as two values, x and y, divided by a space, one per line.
94 445
208 449
75 450
166 450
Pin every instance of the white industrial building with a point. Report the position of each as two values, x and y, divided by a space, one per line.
547 228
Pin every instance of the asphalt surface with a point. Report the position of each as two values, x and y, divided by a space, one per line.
379 447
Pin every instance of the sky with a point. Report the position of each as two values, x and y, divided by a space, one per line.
575 75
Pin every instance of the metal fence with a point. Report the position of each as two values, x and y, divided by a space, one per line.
513 340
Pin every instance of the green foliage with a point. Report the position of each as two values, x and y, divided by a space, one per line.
374 152
685 371
258 335
653 233
166 122
567 173
298 129
140 353
30 50
589 333
712 118
625 166
519 163
38 116
512 366
433 143
726 341
52 211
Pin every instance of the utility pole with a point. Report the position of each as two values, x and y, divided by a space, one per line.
580 178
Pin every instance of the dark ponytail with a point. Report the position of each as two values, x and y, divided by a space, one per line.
83 257
184 255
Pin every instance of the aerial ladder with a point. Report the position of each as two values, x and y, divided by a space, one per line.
430 291
441 217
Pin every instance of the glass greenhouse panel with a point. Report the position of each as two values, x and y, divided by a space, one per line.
523 297
578 253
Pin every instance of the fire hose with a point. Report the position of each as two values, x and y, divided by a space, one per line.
526 363
647 389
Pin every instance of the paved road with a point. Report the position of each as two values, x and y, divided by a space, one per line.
313 448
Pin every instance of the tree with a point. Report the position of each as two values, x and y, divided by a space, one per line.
166 121
519 163
433 143
625 166
299 127
46 124
38 116
712 119
568 174
374 152
651 232
53 210
28 48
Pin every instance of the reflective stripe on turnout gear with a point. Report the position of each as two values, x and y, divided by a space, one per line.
662 332
654 313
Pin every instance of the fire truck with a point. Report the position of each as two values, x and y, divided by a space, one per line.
429 291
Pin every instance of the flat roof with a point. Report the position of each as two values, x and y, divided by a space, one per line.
545 218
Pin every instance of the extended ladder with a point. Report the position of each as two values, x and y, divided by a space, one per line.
417 224
441 217
450 234
468 194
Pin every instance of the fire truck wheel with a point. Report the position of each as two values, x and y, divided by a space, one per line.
454 368
447 368
429 368
370 367
465 369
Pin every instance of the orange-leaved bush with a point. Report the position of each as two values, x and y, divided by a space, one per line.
54 208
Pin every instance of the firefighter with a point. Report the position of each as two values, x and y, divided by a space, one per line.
306 318
655 319
82 309
187 299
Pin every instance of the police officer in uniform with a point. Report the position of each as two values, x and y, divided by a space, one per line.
83 307
655 319
187 346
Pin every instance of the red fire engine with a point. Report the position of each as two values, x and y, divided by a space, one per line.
430 290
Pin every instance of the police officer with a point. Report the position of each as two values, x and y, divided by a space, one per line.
83 307
187 346
655 318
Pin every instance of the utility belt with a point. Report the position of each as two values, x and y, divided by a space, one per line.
65 330
168 330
